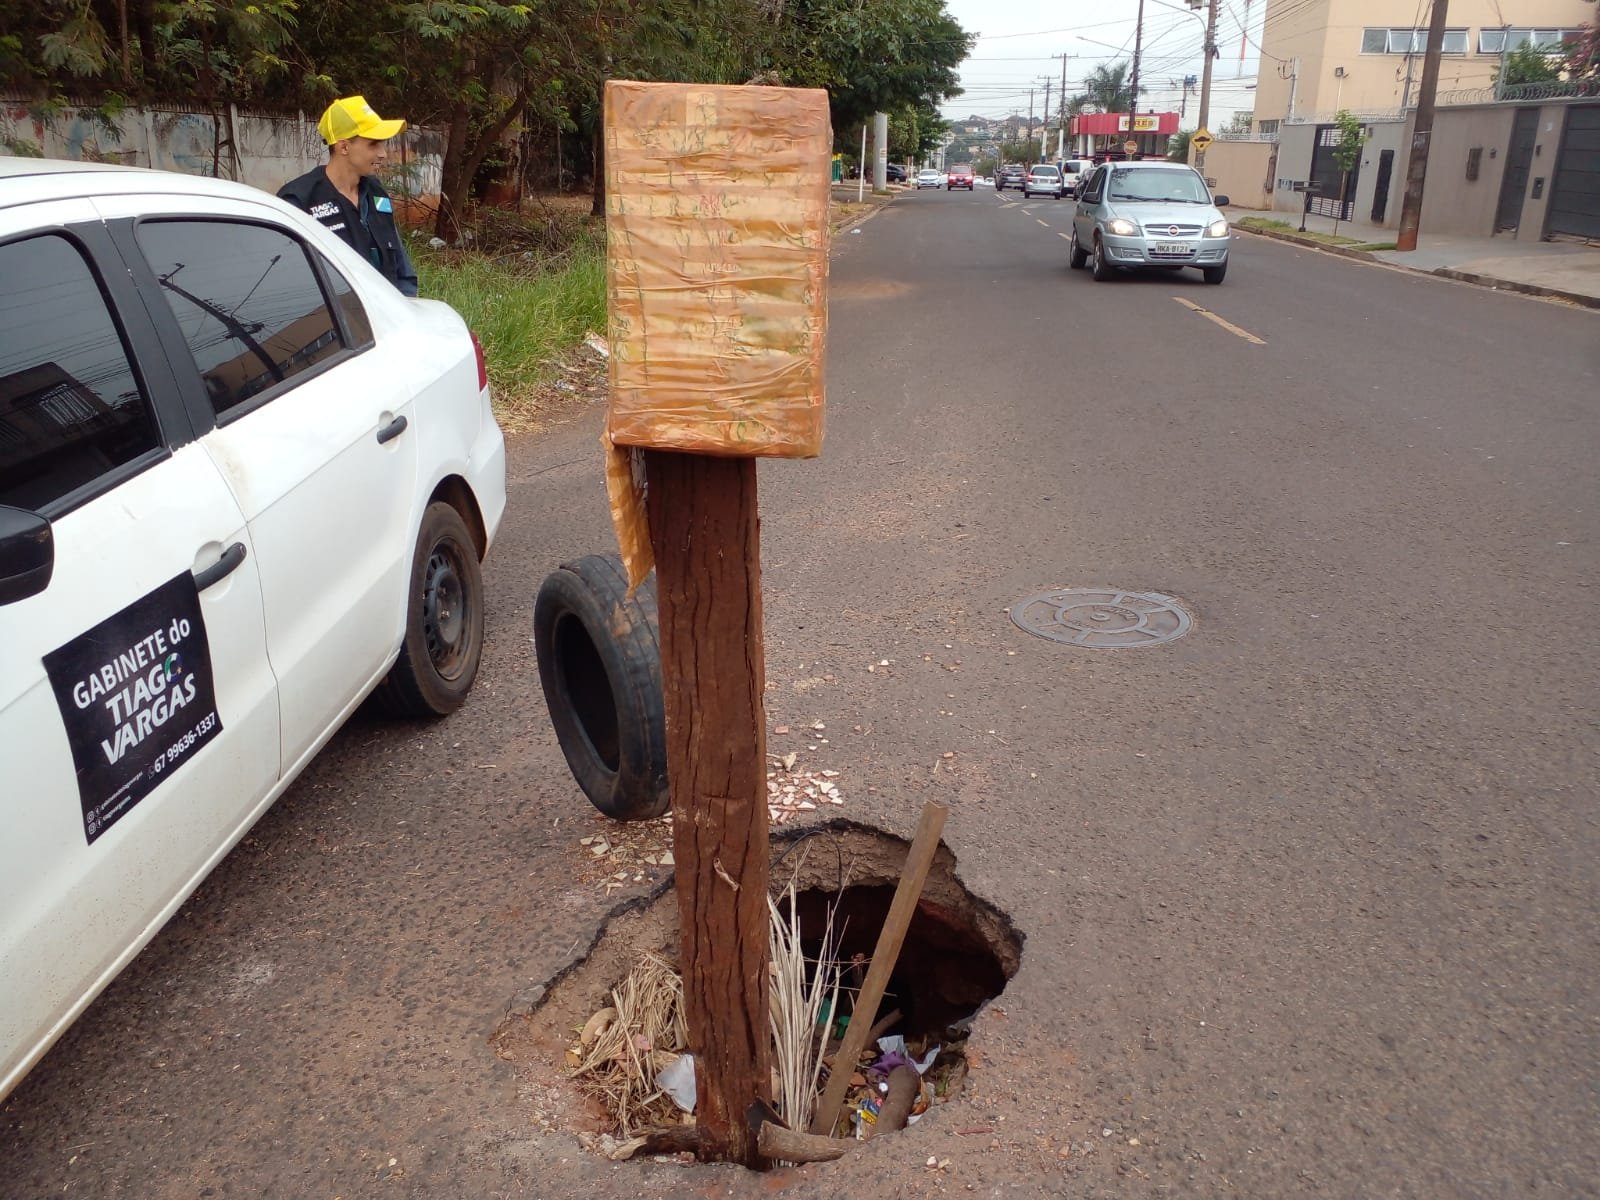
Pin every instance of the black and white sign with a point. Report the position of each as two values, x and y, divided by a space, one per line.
136 696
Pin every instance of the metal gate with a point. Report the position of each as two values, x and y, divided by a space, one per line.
1575 193
1325 174
1519 157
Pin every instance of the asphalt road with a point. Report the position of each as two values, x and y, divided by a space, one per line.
1309 894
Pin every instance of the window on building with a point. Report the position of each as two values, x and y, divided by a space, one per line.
1498 41
1267 128
247 300
71 407
1410 41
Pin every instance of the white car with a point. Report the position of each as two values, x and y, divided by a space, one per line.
933 179
244 483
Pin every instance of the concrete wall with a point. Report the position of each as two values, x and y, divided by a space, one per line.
1384 135
1451 203
264 151
1243 171
1295 143
1541 173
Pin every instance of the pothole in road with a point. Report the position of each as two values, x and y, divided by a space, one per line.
959 953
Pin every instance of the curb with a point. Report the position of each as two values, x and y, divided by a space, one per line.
1487 281
1279 235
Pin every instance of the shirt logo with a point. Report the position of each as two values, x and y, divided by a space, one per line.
326 209
384 204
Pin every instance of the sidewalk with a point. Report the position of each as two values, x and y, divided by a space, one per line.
1565 270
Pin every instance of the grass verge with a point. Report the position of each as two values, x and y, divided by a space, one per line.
1269 225
528 311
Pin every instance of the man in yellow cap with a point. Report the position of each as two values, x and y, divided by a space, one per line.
345 194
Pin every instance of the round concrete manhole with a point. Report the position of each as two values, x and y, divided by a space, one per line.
1102 618
958 955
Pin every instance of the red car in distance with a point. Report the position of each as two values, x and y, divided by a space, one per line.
960 176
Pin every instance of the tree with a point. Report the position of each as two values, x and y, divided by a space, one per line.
1104 89
1583 55
1527 64
1178 146
1352 136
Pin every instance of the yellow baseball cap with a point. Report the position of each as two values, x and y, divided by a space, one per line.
353 117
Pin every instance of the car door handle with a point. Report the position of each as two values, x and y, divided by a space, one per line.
392 430
231 558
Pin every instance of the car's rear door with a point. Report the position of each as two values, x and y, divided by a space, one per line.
138 713
315 435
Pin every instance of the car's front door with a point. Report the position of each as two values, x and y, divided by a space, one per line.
138 712
1083 213
314 436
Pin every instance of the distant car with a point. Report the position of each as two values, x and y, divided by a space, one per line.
929 179
896 173
960 177
1073 171
1143 215
1011 176
244 483
1042 179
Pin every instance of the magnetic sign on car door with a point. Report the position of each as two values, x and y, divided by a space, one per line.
136 696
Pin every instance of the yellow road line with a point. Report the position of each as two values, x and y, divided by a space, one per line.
1226 324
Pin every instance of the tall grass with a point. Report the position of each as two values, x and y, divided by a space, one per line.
525 310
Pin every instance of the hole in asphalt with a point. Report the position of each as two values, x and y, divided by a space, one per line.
959 954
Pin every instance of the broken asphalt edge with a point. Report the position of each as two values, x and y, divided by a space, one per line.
1472 277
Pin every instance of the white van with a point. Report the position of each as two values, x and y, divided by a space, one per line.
1072 171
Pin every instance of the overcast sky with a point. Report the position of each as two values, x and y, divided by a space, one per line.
1021 42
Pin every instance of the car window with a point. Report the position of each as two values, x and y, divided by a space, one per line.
1158 186
1044 171
1096 188
358 330
247 301
72 408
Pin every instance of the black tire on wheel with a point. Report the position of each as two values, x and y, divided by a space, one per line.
1101 268
600 666
1215 274
443 642
1075 254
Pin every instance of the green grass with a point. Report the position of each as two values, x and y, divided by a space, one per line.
525 311
1310 235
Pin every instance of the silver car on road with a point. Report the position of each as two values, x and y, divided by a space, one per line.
1149 215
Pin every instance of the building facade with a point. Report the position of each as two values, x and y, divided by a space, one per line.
1320 56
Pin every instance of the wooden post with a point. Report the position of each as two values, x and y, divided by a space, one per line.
706 536
919 859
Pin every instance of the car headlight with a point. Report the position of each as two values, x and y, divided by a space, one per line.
1217 228
1122 227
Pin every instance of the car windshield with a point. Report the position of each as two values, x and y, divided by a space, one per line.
1157 187
1044 170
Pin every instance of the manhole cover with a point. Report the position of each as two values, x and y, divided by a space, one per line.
1102 618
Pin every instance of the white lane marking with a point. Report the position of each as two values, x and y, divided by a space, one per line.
1046 224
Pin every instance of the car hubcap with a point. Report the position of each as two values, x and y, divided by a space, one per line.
444 611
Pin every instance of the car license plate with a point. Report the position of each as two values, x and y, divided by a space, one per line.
1171 248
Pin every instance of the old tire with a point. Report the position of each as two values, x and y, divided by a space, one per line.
1075 255
443 642
600 667
1101 269
1215 274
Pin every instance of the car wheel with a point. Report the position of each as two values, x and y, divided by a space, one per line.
1075 255
1101 268
600 668
443 642
1215 274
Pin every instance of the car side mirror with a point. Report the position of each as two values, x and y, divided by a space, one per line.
27 554
1220 201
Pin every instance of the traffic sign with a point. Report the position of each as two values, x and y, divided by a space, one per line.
1201 139
1131 146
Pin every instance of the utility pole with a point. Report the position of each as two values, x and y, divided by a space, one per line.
1205 81
1422 133
1028 137
1138 50
1044 122
1061 107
